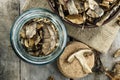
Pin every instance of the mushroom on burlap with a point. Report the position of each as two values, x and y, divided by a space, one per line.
76 61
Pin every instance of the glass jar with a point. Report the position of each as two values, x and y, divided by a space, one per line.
25 17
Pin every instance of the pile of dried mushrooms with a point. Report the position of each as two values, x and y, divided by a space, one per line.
39 37
85 11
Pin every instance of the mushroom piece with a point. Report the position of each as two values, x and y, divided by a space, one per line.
92 13
31 30
61 2
78 19
61 11
50 40
116 71
105 4
71 7
81 6
80 56
93 5
108 14
118 20
115 74
22 33
117 53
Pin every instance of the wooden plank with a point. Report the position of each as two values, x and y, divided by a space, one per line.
9 62
40 72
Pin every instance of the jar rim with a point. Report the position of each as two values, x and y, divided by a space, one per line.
28 15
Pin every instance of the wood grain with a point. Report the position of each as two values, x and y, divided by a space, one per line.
9 63
92 37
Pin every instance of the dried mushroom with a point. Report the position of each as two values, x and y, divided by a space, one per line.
72 9
39 37
80 55
76 10
117 53
115 73
76 61
78 19
118 20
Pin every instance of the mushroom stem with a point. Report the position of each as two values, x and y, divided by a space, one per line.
80 57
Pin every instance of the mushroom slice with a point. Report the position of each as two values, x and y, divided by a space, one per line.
53 3
61 11
105 4
117 53
86 5
39 26
93 5
53 37
116 71
38 39
22 33
80 56
77 19
26 43
79 5
118 20
71 7
92 13
61 2
31 30
46 48
31 42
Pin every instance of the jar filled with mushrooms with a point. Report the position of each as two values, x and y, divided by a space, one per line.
38 36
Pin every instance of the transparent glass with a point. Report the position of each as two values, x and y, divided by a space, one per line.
25 17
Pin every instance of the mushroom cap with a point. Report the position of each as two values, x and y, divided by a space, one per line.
74 69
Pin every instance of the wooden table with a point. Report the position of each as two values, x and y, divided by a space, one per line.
13 68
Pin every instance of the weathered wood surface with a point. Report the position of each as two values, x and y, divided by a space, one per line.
11 68
104 36
9 62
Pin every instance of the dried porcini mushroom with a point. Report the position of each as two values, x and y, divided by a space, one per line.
117 53
39 37
72 9
115 73
76 61
81 58
78 19
99 11
118 20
